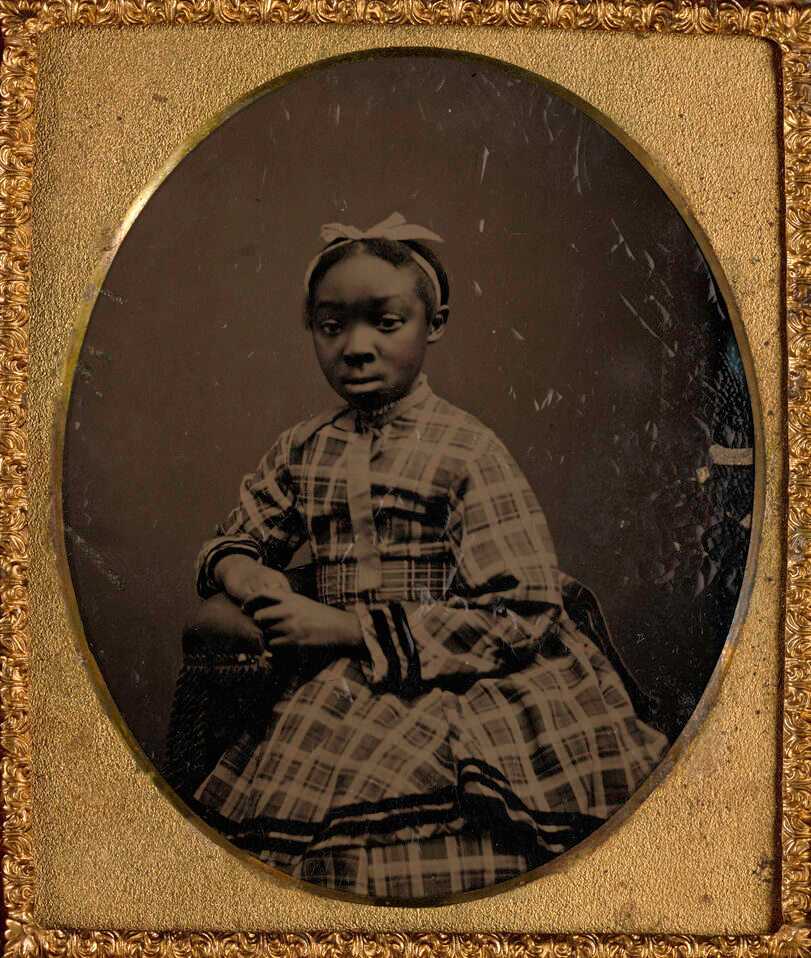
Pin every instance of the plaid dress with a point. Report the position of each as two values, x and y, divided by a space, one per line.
482 734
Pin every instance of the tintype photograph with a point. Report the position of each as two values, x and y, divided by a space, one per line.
408 477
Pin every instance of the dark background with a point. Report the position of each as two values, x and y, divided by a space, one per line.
585 329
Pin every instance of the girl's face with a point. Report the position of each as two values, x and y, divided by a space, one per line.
370 329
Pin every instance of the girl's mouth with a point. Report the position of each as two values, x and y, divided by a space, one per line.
361 380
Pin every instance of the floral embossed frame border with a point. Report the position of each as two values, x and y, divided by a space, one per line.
788 27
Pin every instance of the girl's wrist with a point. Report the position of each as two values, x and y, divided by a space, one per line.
350 634
352 630
227 562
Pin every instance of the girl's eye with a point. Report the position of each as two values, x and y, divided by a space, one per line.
329 327
390 321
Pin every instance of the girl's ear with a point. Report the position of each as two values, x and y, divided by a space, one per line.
438 324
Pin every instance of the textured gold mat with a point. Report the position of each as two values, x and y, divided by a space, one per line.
111 850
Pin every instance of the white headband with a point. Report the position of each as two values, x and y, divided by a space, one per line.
393 227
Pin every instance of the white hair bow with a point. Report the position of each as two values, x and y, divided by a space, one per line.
395 228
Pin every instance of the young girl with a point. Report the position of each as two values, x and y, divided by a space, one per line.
447 726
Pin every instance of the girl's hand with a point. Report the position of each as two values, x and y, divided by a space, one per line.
293 621
247 581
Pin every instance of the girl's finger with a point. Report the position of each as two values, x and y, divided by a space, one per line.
276 640
270 614
259 600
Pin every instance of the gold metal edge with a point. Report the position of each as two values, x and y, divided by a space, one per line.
787 25
796 741
57 531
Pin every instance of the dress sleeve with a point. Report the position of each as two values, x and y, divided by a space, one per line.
266 525
503 600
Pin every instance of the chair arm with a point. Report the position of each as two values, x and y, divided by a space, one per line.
218 624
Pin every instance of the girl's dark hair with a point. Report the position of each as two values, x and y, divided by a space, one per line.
396 252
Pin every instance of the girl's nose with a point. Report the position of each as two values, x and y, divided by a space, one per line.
359 346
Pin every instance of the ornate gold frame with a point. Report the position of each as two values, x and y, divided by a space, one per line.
788 27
